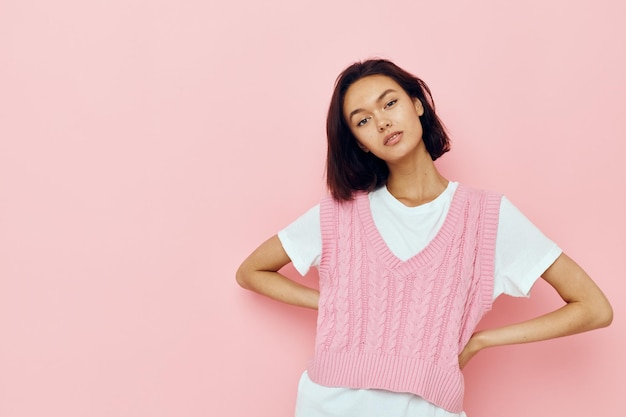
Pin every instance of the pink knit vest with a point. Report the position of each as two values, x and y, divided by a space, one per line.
399 325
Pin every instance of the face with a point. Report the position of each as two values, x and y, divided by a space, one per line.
384 118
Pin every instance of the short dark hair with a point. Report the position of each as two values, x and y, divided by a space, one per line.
348 168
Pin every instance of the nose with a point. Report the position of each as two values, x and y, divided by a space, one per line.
384 124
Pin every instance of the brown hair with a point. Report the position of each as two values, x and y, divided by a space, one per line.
348 168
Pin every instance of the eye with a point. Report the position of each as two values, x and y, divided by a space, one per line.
362 122
391 103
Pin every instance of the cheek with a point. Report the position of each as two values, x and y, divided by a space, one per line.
357 133
419 125
363 139
364 136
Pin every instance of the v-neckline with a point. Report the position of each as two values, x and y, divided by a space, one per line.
425 255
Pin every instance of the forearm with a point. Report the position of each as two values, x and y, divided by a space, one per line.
570 319
586 308
278 287
259 273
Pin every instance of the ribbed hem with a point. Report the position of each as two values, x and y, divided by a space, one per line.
444 388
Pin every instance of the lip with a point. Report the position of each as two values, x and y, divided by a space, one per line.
392 138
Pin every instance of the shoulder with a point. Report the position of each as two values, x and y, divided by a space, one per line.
474 191
489 200
330 203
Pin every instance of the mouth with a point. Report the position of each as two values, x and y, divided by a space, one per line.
392 138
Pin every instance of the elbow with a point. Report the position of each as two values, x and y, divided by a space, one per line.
241 277
605 317
601 316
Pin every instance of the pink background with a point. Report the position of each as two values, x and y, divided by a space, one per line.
148 146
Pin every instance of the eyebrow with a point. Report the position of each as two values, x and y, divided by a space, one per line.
380 97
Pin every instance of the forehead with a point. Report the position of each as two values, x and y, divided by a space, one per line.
367 90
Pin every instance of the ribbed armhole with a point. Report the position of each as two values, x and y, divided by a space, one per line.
328 226
489 236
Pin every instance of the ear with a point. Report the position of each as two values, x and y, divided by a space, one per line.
418 107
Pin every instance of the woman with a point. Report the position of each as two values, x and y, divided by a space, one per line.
408 261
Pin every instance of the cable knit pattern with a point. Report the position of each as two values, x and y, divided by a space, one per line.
384 323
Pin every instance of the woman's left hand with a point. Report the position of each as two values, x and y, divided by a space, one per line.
471 349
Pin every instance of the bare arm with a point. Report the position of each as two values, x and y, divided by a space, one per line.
259 273
586 308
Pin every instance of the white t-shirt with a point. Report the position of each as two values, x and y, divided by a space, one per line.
522 254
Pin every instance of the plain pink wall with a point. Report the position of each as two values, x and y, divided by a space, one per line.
148 146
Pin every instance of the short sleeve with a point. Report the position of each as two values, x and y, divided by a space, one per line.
302 240
523 253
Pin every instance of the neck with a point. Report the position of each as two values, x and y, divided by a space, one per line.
415 182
